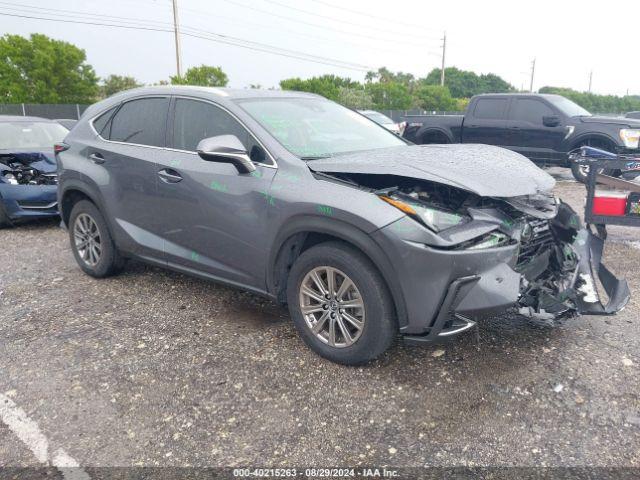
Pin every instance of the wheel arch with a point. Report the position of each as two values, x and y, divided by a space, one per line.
601 137
302 233
71 195
434 130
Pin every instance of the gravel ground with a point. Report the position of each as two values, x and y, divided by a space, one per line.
154 368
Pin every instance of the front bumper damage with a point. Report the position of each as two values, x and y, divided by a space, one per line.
552 279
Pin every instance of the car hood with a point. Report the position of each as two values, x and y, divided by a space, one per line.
43 161
482 169
623 122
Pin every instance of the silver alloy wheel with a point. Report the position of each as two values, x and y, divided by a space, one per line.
332 306
88 241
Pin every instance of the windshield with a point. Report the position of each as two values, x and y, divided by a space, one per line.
315 127
569 108
25 135
378 118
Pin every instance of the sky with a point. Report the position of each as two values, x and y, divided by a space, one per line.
569 39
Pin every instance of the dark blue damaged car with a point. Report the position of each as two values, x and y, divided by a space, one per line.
28 175
362 234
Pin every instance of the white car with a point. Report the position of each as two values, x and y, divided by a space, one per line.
383 120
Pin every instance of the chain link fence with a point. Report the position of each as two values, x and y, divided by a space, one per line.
44 110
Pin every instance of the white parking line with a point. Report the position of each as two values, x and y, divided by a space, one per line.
29 433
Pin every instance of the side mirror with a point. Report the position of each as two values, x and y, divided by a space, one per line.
226 149
551 121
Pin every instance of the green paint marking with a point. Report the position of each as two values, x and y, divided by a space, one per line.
289 177
325 210
269 198
195 257
256 174
175 163
217 186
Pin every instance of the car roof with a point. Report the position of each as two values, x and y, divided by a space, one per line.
20 118
230 93
519 94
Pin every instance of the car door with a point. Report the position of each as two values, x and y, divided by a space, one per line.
125 153
486 123
214 217
528 133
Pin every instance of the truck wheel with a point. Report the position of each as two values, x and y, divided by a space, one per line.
581 172
340 304
91 241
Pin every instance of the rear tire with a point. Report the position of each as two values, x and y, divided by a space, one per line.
374 314
91 241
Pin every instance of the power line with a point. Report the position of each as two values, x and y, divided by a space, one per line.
220 39
346 22
367 14
322 27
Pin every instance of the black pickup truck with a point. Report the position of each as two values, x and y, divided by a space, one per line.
543 128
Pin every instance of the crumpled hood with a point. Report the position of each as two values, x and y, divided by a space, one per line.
485 170
623 122
41 161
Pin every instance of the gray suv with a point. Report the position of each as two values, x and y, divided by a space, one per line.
289 195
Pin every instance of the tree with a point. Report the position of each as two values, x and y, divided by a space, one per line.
389 95
465 84
326 85
435 97
597 103
43 70
355 98
204 75
117 83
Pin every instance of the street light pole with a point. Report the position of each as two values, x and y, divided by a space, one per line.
176 31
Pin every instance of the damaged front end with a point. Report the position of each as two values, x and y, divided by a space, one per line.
27 169
526 253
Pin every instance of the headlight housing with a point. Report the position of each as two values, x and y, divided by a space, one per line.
435 218
630 137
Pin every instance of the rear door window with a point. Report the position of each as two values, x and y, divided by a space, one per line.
491 108
100 123
142 121
528 110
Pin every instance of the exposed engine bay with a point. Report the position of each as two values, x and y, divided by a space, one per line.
20 169
558 261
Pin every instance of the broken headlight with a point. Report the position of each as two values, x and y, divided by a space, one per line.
435 218
491 240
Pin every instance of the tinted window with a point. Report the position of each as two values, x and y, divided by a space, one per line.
141 121
195 120
493 108
531 111
101 122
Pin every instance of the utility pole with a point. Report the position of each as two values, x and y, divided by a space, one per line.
176 31
590 80
444 51
533 72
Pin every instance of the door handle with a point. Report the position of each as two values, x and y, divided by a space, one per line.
96 158
169 175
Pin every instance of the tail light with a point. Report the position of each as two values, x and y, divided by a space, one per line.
60 147
613 204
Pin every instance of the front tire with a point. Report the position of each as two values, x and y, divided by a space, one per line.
340 304
5 221
581 172
91 241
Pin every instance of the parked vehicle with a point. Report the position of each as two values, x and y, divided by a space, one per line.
383 120
297 198
633 115
28 168
67 123
544 128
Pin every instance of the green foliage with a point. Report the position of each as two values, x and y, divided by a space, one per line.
465 84
117 83
326 85
389 95
356 98
435 97
597 103
42 70
204 75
